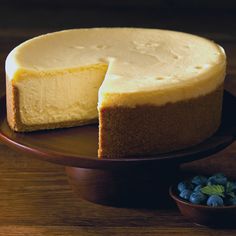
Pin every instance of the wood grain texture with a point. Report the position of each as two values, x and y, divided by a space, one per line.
35 197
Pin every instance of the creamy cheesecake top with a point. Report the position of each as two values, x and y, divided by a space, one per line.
145 66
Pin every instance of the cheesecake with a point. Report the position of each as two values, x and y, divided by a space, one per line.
152 91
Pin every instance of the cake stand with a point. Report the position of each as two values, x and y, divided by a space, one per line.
131 181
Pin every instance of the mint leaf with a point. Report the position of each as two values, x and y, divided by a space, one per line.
230 189
231 194
213 190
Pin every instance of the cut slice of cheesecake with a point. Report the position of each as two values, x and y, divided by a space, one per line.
156 90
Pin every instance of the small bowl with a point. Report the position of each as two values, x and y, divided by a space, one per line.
216 217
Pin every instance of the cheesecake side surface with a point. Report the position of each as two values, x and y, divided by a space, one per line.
147 129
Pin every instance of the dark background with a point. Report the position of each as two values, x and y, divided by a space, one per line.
60 14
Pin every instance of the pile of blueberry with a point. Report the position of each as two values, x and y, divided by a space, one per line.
213 191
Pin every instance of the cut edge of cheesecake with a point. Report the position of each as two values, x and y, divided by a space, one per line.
14 120
14 116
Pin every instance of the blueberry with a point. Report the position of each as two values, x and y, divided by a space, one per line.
214 201
211 180
197 198
221 178
217 179
232 201
181 186
184 185
199 180
185 194
219 175
197 188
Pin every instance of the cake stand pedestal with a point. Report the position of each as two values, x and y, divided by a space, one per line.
131 182
145 186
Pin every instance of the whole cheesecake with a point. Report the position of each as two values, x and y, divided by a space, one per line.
152 90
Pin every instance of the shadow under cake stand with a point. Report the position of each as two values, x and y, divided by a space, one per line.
136 181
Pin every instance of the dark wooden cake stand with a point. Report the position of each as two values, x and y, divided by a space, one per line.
135 181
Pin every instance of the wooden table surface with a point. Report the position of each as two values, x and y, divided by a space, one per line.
35 198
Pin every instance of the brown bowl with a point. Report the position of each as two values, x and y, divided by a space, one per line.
216 217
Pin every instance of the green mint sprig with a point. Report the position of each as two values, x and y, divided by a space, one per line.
230 189
214 190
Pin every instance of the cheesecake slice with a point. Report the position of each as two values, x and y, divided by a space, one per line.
152 90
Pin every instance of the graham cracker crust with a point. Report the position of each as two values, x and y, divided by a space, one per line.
147 129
